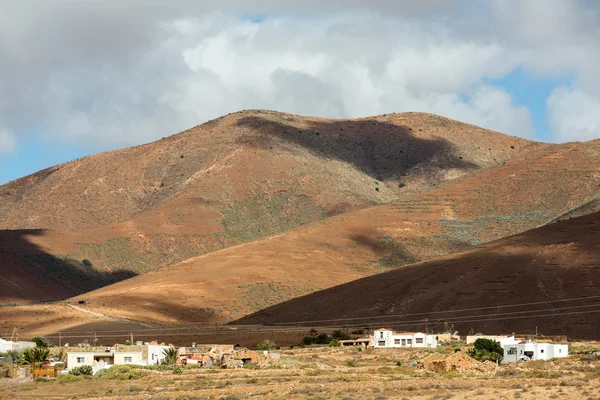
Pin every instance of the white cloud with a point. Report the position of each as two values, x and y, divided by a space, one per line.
111 73
7 142
574 114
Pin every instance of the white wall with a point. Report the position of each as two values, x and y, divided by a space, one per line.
155 354
383 338
72 362
136 358
387 339
7 345
541 351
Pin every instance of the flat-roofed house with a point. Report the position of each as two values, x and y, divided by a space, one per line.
387 338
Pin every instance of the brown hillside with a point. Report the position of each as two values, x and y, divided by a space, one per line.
555 262
492 204
232 180
253 156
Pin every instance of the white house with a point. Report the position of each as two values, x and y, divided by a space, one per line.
129 357
7 345
156 354
100 360
386 338
528 350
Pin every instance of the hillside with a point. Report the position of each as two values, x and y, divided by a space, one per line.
456 216
233 180
556 262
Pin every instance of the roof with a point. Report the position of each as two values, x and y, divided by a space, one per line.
384 329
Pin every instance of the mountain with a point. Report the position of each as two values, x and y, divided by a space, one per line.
96 220
541 270
544 185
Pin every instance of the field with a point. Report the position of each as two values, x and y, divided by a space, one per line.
339 373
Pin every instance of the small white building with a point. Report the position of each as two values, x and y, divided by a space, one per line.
8 345
99 360
528 350
156 354
387 338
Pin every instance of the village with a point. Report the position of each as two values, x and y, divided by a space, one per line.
62 360
400 363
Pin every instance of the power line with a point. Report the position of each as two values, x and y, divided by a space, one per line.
268 328
234 327
440 312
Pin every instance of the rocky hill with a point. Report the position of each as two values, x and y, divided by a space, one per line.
524 193
233 180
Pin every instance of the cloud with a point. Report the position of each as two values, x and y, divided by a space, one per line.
574 114
7 142
112 74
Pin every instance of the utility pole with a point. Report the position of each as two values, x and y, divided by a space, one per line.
60 339
95 338
131 336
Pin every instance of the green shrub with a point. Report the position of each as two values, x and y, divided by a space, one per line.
86 262
486 350
339 335
335 343
323 338
83 370
177 370
265 345
307 341
120 372
352 363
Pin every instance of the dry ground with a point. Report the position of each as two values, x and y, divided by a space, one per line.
341 373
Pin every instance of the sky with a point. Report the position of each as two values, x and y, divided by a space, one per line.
79 77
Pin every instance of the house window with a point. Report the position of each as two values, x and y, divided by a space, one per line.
381 343
542 350
560 350
403 342
80 360
419 340
409 341
396 341
128 359
381 335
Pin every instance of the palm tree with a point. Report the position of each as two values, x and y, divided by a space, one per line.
171 355
34 356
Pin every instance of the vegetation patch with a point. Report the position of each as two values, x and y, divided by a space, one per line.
397 254
480 230
265 215
120 372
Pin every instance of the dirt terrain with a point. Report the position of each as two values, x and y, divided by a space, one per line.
536 269
236 179
339 373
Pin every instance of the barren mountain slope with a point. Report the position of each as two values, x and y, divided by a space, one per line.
492 204
556 262
253 156
232 180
